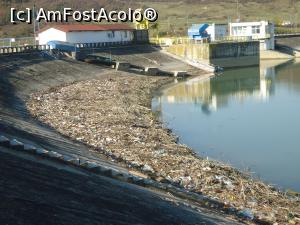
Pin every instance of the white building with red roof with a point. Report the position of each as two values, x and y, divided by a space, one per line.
81 33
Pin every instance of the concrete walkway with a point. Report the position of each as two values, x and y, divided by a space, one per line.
272 54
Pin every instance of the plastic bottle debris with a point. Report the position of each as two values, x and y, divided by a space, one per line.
146 168
247 214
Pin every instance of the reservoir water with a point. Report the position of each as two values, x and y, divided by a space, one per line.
247 117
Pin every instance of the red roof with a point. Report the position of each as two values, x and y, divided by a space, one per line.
87 27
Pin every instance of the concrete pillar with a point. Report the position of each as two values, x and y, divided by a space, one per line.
179 73
74 55
151 71
78 55
123 66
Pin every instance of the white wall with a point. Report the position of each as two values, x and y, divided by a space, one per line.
266 34
265 29
211 31
99 36
51 35
84 36
217 31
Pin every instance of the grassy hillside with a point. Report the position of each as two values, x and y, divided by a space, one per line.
177 16
174 16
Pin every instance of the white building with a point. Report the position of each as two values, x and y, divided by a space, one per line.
262 31
81 33
217 31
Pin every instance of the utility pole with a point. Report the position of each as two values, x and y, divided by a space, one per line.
187 21
238 11
293 18
169 27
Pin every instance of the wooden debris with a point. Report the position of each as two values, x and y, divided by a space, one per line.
113 115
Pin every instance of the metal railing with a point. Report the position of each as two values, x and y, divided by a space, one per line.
78 47
176 40
168 41
234 39
102 44
24 49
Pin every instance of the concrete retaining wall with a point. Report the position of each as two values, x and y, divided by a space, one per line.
223 54
234 49
190 51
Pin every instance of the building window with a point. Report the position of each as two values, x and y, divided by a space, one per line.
239 31
234 31
244 30
255 29
125 35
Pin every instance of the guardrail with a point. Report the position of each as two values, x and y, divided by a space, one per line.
286 35
168 41
23 49
79 46
103 44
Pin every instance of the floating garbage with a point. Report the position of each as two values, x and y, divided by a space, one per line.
113 116
146 168
247 214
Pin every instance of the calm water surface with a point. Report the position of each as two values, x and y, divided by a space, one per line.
247 117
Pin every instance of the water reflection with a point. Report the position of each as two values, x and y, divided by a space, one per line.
248 117
213 93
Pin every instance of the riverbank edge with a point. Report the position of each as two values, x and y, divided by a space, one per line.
160 85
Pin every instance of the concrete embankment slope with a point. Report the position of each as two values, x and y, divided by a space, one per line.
26 74
44 192
289 45
146 55
292 42
35 192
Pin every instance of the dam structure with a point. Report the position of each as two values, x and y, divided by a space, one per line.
222 54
